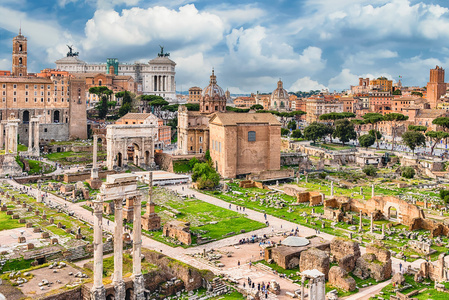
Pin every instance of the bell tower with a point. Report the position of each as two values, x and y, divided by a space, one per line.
19 55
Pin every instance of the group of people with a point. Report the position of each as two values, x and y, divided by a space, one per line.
237 208
261 287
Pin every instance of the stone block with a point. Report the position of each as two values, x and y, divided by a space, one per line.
24 205
30 209
59 225
398 279
30 246
9 212
4 208
51 220
37 212
29 225
36 229
68 230
22 221
44 217
339 278
54 241
381 253
45 235
347 262
22 239
341 247
314 259
15 216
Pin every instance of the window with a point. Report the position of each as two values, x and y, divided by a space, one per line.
15 86
15 93
15 99
42 87
251 136
26 86
45 129
26 99
35 86
35 99
4 86
201 139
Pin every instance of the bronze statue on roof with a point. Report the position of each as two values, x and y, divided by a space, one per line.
71 53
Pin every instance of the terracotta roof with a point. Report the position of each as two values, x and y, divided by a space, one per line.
431 113
228 119
408 98
135 116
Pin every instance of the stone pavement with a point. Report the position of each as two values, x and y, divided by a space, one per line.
241 273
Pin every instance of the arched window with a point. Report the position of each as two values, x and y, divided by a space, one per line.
56 116
20 47
251 136
20 60
26 116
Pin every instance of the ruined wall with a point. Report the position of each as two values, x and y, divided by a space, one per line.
435 228
82 176
165 160
271 174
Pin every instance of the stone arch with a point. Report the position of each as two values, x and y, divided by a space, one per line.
129 294
26 116
119 159
56 116
110 297
391 207
392 212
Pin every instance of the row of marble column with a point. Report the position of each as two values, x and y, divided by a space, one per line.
316 288
94 172
162 83
9 140
98 290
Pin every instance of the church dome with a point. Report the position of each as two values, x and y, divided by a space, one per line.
280 97
213 90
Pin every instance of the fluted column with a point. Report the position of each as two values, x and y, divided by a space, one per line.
36 138
119 284
98 290
137 250
2 137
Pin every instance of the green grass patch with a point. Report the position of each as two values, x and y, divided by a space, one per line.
6 222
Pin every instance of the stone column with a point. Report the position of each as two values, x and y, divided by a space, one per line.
361 190
98 290
94 173
302 288
425 203
332 188
38 195
2 137
321 290
360 223
312 289
372 190
137 250
383 229
119 284
371 228
36 138
30 136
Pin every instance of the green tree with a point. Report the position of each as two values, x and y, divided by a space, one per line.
256 107
127 100
374 119
344 131
207 156
408 172
444 195
397 92
370 170
394 119
367 140
417 93
172 108
297 134
376 134
237 110
442 122
192 162
315 131
193 107
284 131
414 139
436 136
104 95
291 125
417 128
205 176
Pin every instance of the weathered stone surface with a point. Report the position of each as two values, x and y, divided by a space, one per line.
341 247
369 266
339 278
398 279
381 253
314 259
347 262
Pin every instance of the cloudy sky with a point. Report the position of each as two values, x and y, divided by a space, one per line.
309 44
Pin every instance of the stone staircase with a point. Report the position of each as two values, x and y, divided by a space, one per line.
264 267
218 286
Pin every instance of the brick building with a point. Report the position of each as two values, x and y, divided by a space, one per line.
436 86
194 94
56 97
244 143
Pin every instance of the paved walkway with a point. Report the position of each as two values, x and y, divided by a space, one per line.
238 273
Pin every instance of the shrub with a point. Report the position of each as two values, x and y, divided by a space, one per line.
444 195
323 175
370 170
408 172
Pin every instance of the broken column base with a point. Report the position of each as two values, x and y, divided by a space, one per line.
98 293
139 287
94 183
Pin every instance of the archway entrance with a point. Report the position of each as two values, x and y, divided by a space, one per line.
26 116
110 297
147 158
392 213
133 153
129 294
56 116
119 160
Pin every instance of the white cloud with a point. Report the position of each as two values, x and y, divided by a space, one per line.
306 84
5 64
236 16
343 80
194 70
136 26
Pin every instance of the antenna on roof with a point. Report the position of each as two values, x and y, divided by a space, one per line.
20 28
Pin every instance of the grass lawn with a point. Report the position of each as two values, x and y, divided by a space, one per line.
70 157
37 166
6 222
108 266
181 166
16 264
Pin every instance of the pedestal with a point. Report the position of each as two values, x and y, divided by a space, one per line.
98 293
138 286
119 288
94 183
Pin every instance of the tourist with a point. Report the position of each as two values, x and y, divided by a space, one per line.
258 286
266 294
229 206
238 263
265 216
250 265
253 285
400 267
244 284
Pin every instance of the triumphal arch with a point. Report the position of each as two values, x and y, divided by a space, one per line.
132 144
